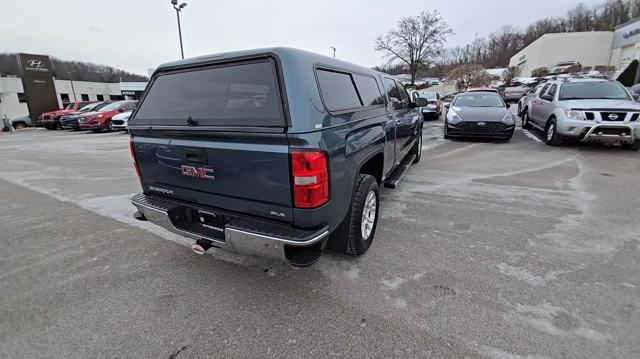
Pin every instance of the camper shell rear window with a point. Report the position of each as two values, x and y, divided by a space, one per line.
236 94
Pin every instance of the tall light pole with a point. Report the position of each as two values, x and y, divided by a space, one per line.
334 51
178 9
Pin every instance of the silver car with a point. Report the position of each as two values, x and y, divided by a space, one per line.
588 110
525 102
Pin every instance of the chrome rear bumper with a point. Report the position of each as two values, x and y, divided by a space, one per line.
241 235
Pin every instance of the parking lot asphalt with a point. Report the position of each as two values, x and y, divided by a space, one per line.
491 250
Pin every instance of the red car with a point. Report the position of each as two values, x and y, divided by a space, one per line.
100 120
51 120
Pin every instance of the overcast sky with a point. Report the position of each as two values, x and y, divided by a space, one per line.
136 35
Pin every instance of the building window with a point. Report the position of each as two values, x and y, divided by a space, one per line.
85 97
21 97
64 97
100 97
116 97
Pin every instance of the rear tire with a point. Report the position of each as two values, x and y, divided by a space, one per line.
365 208
108 126
551 136
525 120
446 136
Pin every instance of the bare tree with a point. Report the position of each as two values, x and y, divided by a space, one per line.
414 41
496 49
467 76
511 73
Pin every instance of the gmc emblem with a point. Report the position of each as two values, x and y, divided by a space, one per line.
198 172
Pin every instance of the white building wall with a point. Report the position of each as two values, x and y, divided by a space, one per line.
589 48
11 86
90 89
626 44
529 58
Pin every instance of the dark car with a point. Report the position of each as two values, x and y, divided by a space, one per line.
70 121
479 114
275 152
98 121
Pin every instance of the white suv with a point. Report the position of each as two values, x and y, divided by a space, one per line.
589 110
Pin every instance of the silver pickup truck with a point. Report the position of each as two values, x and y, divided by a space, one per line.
589 110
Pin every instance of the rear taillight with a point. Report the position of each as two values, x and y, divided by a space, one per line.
133 155
310 178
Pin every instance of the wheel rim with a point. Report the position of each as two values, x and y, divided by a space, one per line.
550 131
420 144
369 213
525 119
110 125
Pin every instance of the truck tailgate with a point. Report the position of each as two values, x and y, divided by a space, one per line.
246 173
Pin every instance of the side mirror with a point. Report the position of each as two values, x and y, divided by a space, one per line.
507 105
636 96
421 102
447 106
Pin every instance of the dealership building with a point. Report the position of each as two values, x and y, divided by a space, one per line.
618 48
13 101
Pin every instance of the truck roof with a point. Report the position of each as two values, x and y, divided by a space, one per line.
285 54
303 106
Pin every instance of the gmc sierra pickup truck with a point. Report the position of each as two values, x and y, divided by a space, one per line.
274 152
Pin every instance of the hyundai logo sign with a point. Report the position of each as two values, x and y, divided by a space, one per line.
36 65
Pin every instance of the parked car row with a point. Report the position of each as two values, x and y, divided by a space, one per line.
578 109
95 116
51 120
